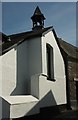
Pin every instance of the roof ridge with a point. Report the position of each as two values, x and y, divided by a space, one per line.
18 33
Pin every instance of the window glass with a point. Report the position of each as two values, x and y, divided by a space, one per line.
50 62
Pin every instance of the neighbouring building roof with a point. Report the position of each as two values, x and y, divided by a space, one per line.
8 42
69 49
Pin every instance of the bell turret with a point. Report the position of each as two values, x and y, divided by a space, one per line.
38 19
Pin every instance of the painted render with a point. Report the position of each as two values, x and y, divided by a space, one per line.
8 72
59 86
24 71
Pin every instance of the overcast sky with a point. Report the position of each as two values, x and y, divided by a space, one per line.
16 17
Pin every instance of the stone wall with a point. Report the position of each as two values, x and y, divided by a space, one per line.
73 73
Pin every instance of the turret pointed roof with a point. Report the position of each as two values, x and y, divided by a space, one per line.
38 13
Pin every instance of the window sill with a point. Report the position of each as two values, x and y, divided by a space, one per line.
51 79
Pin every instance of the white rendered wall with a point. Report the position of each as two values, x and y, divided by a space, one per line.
0 75
59 69
0 87
8 72
50 93
28 64
34 57
59 86
13 71
19 106
29 60
53 93
18 65
21 70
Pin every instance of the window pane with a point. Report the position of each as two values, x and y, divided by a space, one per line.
50 66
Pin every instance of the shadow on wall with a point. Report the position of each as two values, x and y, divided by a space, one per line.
48 108
0 108
4 109
46 105
47 101
21 73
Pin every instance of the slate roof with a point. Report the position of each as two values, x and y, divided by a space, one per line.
20 37
16 39
69 49
3 37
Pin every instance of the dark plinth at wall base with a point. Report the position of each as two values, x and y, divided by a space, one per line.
50 112
46 113
31 117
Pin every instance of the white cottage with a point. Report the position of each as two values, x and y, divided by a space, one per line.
32 71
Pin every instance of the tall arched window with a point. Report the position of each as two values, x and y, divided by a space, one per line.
50 62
